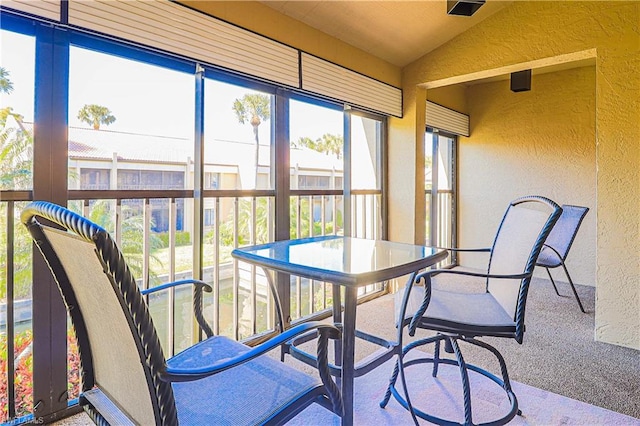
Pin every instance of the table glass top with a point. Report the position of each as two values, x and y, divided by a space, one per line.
336 254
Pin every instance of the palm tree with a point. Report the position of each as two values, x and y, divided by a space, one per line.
327 144
15 141
245 222
305 142
331 144
95 115
6 86
16 144
253 108
15 173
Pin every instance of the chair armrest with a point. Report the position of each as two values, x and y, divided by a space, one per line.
427 289
465 250
326 331
197 299
427 274
206 287
478 250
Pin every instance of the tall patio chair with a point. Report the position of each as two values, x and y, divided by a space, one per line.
125 376
556 248
457 316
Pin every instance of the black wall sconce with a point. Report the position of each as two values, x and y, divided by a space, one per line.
521 81
463 7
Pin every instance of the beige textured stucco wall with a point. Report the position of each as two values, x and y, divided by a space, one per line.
453 97
535 30
540 142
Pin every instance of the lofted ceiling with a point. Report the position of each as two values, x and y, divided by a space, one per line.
397 31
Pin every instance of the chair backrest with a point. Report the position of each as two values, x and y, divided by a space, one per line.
564 232
524 228
119 349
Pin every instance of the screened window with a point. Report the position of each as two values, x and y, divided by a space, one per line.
314 182
131 116
94 179
211 180
17 77
238 134
440 178
134 117
317 145
365 152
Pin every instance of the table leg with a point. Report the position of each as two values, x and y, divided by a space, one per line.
337 319
348 352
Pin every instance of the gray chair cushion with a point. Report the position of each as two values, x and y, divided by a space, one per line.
548 258
246 395
466 311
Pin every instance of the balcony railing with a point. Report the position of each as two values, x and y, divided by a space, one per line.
15 304
240 305
445 222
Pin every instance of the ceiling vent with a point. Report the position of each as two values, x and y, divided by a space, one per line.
463 7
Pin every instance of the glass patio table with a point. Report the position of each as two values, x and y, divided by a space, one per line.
349 263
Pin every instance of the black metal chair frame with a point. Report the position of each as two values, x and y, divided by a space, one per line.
562 252
159 374
450 333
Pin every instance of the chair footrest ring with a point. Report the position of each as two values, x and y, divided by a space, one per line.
440 421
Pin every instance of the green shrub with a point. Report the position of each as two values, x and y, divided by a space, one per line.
183 238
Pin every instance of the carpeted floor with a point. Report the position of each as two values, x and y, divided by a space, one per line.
558 353
442 397
560 374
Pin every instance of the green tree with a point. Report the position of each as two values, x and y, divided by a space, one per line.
21 257
96 115
131 241
244 223
262 226
6 86
16 144
327 144
253 108
331 144
308 226
305 142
